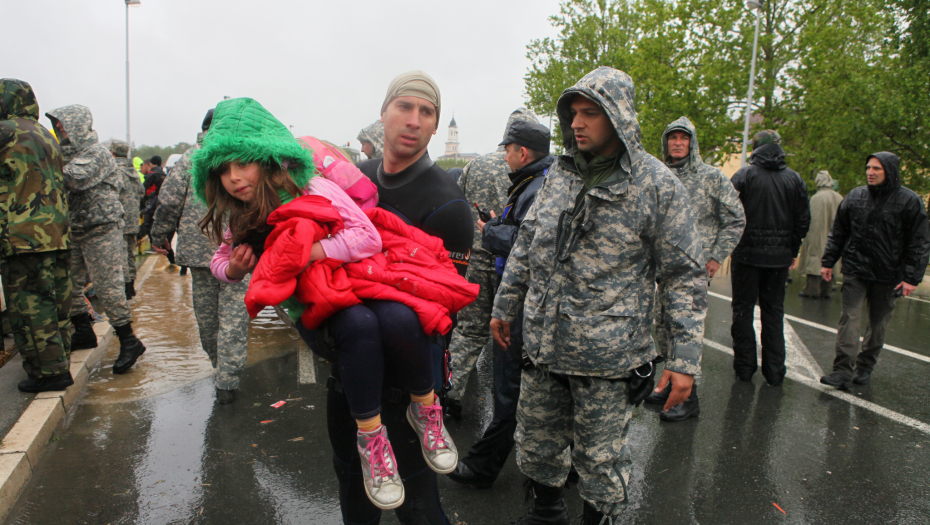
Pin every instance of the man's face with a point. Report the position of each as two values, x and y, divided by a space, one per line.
60 131
874 172
593 130
367 149
409 122
679 144
146 167
513 156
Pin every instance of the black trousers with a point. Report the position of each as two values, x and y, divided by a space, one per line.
487 457
766 286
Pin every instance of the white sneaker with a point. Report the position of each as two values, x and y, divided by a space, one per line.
379 469
437 447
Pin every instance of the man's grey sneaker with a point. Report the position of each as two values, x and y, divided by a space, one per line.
437 447
383 485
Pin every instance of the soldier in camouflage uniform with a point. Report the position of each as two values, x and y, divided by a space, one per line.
34 240
486 183
720 221
219 307
131 198
98 249
609 221
372 139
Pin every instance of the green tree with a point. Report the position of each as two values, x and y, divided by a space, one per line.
146 152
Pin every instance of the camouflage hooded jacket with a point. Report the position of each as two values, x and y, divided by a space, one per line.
33 207
714 201
590 311
179 209
92 178
374 133
132 193
485 182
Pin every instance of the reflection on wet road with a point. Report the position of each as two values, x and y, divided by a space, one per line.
151 447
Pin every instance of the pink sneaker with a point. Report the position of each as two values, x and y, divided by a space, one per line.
379 469
437 447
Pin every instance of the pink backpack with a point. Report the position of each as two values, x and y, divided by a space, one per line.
332 164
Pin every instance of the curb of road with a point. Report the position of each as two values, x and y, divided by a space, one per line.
23 446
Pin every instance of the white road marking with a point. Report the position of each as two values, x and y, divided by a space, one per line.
833 330
859 402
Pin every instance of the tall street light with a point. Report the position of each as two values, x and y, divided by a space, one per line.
755 5
128 137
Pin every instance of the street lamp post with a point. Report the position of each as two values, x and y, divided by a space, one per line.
755 5
128 137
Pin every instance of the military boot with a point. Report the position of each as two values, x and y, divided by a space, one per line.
592 516
46 384
130 348
83 336
682 411
548 507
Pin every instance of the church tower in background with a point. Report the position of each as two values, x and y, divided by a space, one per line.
452 144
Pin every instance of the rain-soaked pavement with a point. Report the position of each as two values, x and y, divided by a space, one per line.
151 447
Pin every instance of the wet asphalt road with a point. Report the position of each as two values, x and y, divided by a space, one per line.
151 447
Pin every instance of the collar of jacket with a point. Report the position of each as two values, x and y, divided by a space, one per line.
612 188
528 172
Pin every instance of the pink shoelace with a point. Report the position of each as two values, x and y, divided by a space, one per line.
376 447
433 416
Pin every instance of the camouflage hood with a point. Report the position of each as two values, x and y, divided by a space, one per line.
518 114
78 124
694 154
614 91
17 100
374 134
824 180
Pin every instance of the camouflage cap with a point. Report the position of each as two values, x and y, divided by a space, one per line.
768 136
17 99
119 148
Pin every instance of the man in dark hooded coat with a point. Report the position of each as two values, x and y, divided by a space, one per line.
882 234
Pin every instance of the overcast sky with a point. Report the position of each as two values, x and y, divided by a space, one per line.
322 67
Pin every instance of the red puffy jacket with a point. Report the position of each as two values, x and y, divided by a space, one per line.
413 268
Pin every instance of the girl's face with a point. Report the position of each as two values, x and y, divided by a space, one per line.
240 180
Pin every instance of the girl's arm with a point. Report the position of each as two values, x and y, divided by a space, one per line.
220 262
359 239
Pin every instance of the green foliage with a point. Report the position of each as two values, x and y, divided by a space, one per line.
452 163
839 79
147 152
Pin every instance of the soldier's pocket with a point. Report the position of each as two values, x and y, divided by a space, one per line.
599 342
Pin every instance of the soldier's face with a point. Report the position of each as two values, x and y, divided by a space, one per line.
679 144
409 122
60 131
367 149
240 180
874 172
593 130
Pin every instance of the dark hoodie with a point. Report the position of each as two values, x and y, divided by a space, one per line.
881 232
33 208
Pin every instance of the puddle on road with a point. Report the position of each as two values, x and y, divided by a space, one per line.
163 318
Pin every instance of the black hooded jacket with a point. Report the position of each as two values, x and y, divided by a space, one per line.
778 212
881 232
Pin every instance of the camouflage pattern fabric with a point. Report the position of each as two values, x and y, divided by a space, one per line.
132 193
129 262
91 177
594 413
38 305
179 210
484 181
33 205
97 256
374 133
223 323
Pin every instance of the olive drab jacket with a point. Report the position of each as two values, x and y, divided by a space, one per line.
92 178
33 203
719 213
588 297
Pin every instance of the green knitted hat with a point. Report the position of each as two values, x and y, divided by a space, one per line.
244 131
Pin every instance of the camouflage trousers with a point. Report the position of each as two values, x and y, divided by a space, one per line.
129 264
38 292
223 323
594 412
472 332
98 256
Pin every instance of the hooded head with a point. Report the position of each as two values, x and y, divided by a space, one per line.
78 123
890 163
119 148
767 151
694 152
374 135
17 100
823 179
614 92
414 83
244 131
